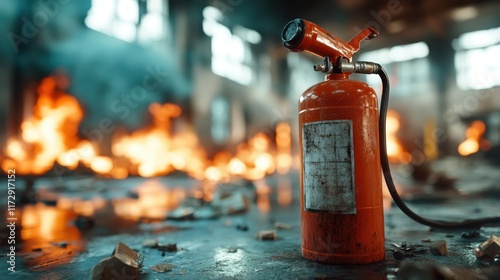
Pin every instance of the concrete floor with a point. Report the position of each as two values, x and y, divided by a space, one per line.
217 249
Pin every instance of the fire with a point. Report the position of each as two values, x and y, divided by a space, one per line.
50 137
48 133
473 141
395 151
283 147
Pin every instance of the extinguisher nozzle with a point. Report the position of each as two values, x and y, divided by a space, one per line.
292 34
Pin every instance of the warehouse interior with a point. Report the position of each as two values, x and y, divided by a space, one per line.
152 139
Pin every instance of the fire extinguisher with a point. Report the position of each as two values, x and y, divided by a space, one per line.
343 148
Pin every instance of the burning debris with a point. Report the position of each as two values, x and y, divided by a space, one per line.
489 249
123 262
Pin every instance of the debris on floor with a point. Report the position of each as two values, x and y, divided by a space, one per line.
228 199
279 225
229 203
439 248
162 267
150 243
167 247
123 263
489 249
267 235
471 234
232 250
242 227
399 254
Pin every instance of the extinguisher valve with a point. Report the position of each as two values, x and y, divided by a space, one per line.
327 67
361 67
345 66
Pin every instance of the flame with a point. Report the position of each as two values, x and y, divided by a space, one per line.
395 151
473 141
283 147
48 133
155 151
50 136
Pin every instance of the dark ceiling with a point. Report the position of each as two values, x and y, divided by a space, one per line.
416 19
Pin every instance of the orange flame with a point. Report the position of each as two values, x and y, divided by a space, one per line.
48 133
395 151
473 141
50 136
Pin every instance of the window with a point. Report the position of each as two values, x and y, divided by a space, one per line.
125 20
407 65
476 59
231 54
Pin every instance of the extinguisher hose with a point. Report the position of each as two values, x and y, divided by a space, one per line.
384 104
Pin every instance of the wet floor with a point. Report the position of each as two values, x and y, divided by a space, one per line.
78 224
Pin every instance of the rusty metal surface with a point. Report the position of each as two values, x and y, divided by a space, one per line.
228 247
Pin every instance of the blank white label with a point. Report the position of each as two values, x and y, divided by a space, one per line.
328 167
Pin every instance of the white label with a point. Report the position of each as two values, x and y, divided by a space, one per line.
328 167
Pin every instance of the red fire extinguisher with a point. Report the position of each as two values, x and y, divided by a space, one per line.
340 180
343 147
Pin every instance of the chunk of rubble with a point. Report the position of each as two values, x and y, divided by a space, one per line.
267 235
439 248
150 243
488 250
279 225
124 263
162 267
167 247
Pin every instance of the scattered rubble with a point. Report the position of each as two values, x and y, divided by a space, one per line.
242 227
122 262
267 235
488 250
230 203
439 248
167 247
205 212
229 198
232 250
162 267
471 234
279 225
399 254
150 243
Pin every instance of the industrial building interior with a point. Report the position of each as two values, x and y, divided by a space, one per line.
153 139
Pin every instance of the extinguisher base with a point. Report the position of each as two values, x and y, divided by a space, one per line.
343 258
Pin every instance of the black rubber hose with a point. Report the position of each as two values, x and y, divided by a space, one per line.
384 104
